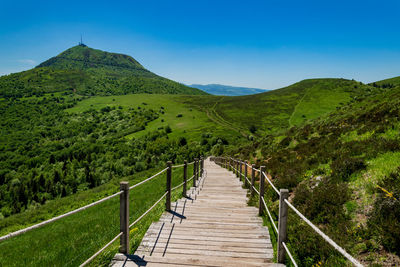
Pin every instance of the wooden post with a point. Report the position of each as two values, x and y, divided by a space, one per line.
240 170
195 172
202 166
184 178
237 168
253 178
168 189
262 187
124 217
245 173
282 224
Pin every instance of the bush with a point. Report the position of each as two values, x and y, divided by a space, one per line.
322 202
168 129
140 166
344 167
182 141
384 221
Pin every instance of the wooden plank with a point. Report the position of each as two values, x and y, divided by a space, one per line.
177 252
191 261
217 238
214 227
188 242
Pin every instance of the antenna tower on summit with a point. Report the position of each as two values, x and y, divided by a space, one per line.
81 42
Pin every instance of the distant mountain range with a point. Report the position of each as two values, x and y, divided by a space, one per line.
89 71
220 89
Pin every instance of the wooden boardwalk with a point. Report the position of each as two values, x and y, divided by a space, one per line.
214 226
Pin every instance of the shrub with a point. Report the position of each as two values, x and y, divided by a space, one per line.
384 221
323 201
168 129
344 167
182 141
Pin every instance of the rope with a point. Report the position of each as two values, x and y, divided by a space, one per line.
191 178
248 180
179 185
101 250
148 179
273 186
191 163
269 215
324 236
255 189
147 211
57 218
289 254
178 166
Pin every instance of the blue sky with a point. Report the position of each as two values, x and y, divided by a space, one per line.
266 44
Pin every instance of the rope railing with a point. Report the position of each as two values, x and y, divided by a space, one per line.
324 236
147 211
272 185
269 215
289 254
124 205
148 179
191 178
58 217
101 250
283 193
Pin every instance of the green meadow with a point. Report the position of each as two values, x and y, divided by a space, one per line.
72 240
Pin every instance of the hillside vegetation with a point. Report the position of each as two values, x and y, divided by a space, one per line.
88 71
277 110
343 173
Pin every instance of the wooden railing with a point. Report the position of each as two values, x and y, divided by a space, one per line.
236 166
198 171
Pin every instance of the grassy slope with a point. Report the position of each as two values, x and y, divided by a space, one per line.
191 125
328 149
70 241
392 81
279 109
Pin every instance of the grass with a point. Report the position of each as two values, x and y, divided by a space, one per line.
364 183
274 111
191 125
318 100
71 240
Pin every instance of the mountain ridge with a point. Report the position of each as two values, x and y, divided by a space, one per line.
89 71
228 90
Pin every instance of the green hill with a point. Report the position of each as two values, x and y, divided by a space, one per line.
88 71
387 83
343 173
277 110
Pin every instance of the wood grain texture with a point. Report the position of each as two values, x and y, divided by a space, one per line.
214 226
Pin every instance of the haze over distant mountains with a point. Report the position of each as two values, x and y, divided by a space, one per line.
220 89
